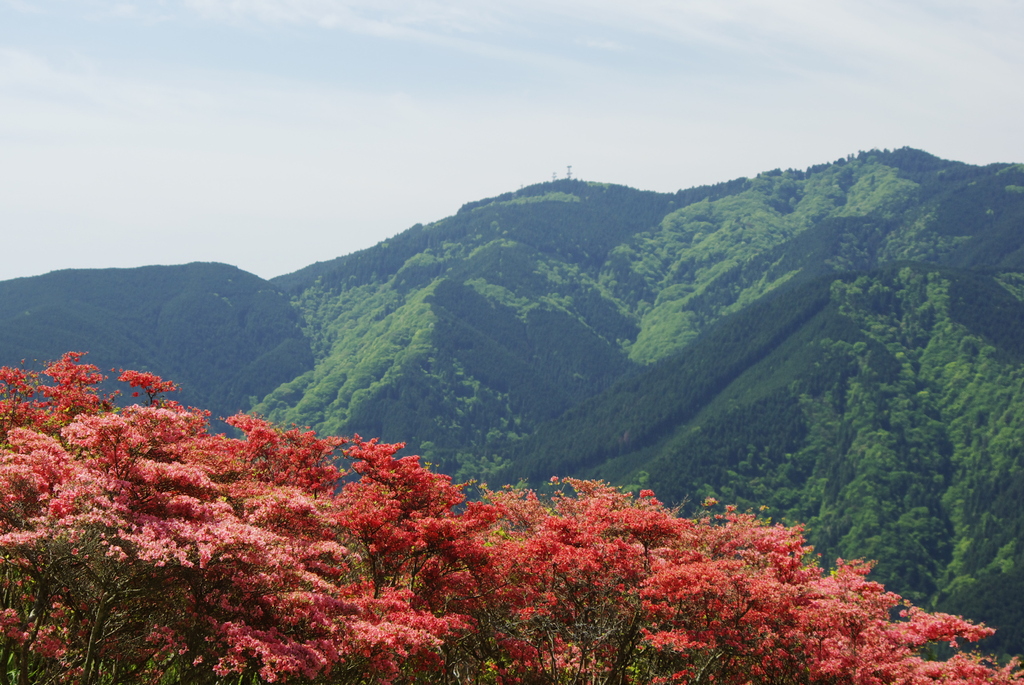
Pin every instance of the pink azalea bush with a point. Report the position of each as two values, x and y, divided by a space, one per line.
137 547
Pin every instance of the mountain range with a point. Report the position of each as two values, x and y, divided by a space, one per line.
841 346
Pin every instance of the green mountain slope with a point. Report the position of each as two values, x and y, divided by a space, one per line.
885 410
463 336
224 335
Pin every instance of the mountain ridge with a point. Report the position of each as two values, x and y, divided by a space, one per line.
716 256
223 334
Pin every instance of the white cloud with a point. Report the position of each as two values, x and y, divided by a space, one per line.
886 39
928 49
601 44
389 18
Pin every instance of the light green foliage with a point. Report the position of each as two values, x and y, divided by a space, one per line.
878 190
372 335
547 197
713 258
693 248
667 327
825 193
887 506
922 443
915 241
503 296
1013 282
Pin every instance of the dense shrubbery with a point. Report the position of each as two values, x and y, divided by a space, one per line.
137 547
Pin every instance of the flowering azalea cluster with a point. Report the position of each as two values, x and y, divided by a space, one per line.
137 547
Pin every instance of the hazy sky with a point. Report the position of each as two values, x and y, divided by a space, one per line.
270 134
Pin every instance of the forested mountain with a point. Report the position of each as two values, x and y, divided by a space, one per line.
226 336
463 336
841 344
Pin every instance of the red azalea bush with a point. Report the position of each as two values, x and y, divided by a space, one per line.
136 547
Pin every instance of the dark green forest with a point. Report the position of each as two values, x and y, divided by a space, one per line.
225 336
841 346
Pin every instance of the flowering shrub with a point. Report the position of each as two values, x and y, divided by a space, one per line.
136 547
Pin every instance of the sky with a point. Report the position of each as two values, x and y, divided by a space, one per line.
271 134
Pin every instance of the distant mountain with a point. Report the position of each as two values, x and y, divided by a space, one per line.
463 336
226 336
841 344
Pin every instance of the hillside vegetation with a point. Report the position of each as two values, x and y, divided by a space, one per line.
885 410
841 345
226 336
461 337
